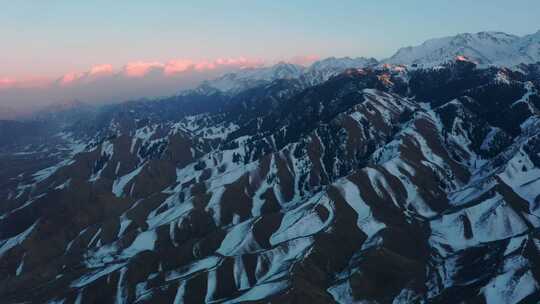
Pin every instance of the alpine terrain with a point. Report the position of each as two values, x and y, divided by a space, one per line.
411 180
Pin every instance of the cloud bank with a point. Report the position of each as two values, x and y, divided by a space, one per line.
104 83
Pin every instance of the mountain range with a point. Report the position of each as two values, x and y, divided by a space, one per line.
483 48
415 179
317 72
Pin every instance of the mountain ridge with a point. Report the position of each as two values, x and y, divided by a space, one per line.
485 48
315 73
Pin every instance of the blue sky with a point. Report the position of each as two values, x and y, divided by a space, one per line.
49 38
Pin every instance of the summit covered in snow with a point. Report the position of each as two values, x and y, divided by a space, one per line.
316 73
483 48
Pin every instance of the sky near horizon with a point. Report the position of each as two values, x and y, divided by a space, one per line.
105 51
54 37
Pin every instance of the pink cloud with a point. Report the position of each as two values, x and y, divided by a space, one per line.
137 69
178 66
71 77
101 69
30 82
205 65
7 82
140 68
182 65
240 62
94 72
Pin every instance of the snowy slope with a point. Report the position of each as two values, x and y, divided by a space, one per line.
484 48
234 82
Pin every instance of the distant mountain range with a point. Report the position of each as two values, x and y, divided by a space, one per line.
483 48
318 72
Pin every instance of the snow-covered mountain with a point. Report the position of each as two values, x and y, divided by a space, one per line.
484 48
324 69
251 77
343 63
318 72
